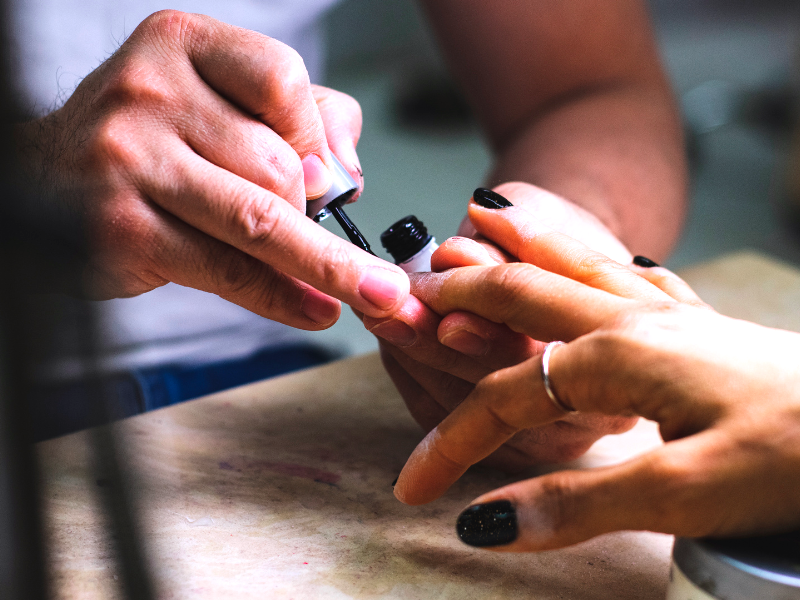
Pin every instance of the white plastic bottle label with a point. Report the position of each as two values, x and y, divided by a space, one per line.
421 261
681 588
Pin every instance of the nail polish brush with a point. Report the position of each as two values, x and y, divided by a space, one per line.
342 189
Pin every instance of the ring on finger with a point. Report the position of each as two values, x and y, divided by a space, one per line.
548 386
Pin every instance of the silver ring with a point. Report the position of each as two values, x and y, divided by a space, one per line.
548 350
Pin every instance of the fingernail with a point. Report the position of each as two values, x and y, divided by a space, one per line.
489 199
466 342
395 332
357 165
643 261
491 524
394 483
320 307
316 176
382 287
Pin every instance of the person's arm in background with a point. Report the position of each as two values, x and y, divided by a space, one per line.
576 107
189 155
572 99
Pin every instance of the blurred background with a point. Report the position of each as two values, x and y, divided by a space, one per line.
735 64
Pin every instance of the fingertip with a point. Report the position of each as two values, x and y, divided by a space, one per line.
409 491
317 176
460 252
383 289
427 474
348 157
508 519
487 525
398 492
320 308
465 342
394 331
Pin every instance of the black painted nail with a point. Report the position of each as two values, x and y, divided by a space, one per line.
643 261
394 483
489 199
492 524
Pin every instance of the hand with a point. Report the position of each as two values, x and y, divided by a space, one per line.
190 154
435 361
725 393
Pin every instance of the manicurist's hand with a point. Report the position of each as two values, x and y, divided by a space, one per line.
190 154
725 393
435 359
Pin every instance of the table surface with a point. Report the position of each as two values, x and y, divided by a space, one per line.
282 489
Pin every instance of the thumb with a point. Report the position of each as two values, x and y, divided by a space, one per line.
698 486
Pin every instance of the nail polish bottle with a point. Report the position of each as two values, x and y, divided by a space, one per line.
736 568
410 244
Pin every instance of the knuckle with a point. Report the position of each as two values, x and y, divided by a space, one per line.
507 283
285 168
557 497
449 362
343 104
595 268
450 457
654 321
679 484
259 220
589 263
241 276
500 424
127 247
118 227
337 262
135 83
113 143
602 352
453 391
287 80
169 23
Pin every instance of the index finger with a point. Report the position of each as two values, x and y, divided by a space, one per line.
265 226
493 413
522 235
530 300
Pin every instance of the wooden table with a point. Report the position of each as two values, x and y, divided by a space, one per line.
282 489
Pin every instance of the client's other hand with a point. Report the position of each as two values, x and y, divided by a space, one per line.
435 358
725 393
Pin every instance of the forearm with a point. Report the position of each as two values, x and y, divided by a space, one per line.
615 151
572 98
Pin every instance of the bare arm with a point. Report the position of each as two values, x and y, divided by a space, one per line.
572 98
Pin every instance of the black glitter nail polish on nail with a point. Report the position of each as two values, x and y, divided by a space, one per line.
394 483
489 199
491 524
643 261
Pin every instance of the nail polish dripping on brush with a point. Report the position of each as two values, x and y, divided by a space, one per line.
342 189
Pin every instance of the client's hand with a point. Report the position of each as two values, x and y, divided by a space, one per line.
189 155
435 361
725 393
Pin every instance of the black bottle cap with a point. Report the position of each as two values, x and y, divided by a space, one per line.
405 238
